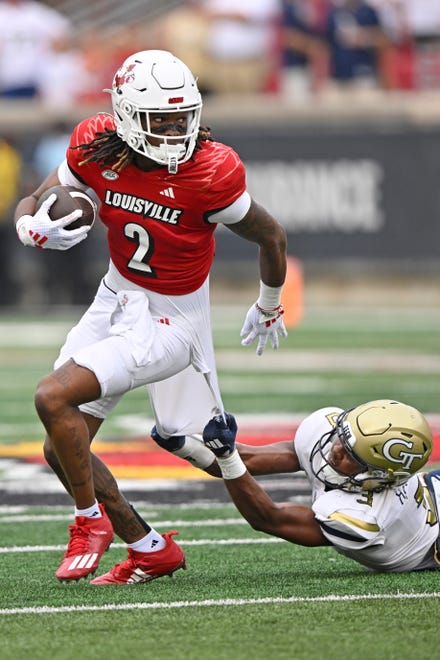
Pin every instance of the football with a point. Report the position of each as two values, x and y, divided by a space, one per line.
70 199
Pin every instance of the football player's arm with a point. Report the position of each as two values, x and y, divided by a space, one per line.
275 458
293 522
260 227
61 175
26 206
35 228
264 319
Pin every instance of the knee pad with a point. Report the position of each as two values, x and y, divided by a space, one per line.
171 444
190 448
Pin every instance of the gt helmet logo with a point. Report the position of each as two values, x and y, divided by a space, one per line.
392 452
390 440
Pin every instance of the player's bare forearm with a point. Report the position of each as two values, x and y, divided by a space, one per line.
275 458
260 227
26 206
292 522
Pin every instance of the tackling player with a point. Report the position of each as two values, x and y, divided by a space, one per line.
367 500
164 185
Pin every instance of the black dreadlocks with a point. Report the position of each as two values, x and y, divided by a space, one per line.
108 149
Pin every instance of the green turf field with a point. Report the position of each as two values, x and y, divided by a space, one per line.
335 356
244 595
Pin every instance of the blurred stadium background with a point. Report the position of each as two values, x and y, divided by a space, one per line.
353 175
351 171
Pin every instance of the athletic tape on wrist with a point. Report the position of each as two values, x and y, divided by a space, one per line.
270 297
232 467
195 452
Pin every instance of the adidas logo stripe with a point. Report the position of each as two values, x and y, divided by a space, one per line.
83 561
215 443
138 575
168 192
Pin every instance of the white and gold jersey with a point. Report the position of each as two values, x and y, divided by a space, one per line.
393 530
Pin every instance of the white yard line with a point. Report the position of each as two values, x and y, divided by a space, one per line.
226 602
60 548
213 522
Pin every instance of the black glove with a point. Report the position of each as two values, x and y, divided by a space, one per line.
219 436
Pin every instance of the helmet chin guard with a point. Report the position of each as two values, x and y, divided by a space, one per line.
155 81
390 440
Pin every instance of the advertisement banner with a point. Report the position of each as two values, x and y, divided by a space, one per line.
346 192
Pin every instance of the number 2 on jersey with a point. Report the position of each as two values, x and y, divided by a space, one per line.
145 247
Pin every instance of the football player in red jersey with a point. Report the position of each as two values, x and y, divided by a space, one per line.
164 184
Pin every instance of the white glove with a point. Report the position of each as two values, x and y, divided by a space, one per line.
263 324
40 231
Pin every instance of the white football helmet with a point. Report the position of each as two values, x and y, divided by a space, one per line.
156 81
390 440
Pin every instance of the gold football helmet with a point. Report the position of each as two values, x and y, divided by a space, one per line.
389 439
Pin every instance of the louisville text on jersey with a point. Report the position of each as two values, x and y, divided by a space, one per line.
144 207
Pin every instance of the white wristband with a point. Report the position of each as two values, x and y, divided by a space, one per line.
270 297
232 467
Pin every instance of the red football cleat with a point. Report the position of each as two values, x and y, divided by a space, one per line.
146 566
89 539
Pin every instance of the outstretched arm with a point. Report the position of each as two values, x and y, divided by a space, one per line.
292 522
275 458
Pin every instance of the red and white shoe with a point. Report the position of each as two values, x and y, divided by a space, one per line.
146 566
89 539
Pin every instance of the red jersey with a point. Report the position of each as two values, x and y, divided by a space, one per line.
158 232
